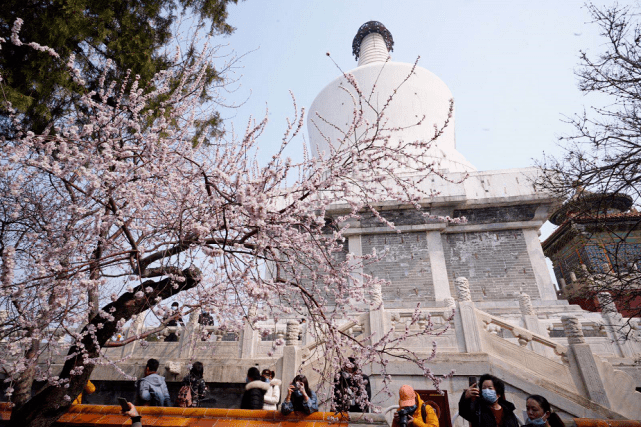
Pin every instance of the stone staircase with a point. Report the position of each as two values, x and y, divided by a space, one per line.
575 379
577 382
524 369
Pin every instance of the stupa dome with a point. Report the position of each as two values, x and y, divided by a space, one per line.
423 94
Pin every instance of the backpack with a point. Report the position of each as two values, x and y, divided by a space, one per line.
156 399
437 410
184 397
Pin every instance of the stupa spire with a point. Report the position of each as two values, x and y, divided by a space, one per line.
372 43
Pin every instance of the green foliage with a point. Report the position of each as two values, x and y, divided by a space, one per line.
130 33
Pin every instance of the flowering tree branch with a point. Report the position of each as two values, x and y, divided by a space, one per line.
121 205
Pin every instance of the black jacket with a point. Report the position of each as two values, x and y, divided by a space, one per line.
254 395
477 411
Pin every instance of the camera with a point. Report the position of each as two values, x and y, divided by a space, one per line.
300 385
404 413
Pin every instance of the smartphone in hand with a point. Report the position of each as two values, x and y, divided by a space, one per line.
123 404
471 381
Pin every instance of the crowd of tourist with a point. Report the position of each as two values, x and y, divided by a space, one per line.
485 406
483 403
262 391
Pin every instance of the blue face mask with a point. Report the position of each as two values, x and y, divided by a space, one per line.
538 422
267 380
489 395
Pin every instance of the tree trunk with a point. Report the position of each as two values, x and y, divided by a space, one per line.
22 387
24 383
43 409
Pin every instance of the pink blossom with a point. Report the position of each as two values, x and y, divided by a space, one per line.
129 203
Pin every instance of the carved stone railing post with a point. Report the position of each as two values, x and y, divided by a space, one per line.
466 317
134 330
292 332
377 296
463 289
190 335
291 354
615 326
573 330
525 305
377 314
532 323
607 304
250 336
583 364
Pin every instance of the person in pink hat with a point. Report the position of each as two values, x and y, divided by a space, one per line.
412 411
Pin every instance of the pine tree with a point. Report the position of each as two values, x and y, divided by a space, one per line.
129 33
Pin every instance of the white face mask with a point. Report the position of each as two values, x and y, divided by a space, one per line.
538 421
489 395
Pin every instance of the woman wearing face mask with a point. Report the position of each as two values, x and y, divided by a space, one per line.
273 394
540 414
299 397
487 407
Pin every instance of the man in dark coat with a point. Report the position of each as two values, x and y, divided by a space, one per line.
487 407
350 389
255 390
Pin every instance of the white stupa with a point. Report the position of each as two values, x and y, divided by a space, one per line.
423 94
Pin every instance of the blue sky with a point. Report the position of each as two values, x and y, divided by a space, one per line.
509 64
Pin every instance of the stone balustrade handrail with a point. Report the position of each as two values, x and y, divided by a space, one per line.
425 310
434 312
343 328
524 335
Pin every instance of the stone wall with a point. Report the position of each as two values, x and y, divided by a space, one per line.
398 217
496 264
497 214
490 215
406 266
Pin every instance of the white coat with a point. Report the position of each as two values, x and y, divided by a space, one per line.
272 395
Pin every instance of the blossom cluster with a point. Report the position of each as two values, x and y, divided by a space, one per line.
121 205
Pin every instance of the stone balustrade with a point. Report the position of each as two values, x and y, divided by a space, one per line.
400 318
493 325
519 342
353 328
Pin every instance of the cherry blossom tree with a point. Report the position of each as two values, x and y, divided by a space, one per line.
121 205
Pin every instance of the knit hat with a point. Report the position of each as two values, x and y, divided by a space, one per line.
407 396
